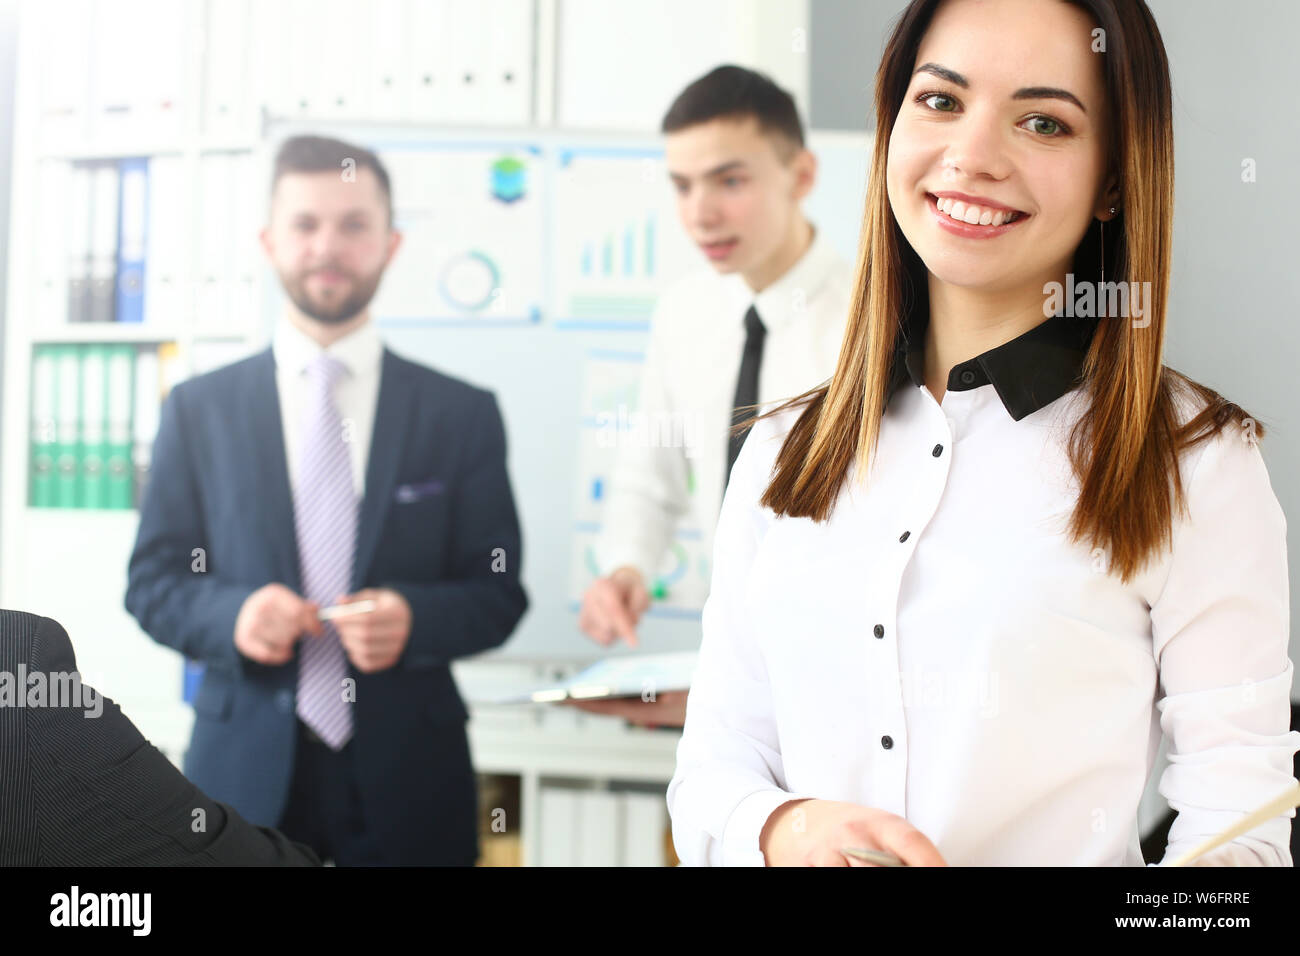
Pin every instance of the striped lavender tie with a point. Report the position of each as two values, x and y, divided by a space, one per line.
325 514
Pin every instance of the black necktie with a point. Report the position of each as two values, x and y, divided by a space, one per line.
746 385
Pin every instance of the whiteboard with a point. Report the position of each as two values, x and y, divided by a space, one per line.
577 274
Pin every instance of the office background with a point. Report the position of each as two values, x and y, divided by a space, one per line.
546 304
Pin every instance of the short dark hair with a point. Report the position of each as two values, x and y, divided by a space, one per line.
321 154
734 91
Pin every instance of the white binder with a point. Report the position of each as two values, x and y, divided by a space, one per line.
429 61
506 84
645 823
53 213
226 70
600 828
80 203
217 185
168 231
105 185
389 73
558 812
62 29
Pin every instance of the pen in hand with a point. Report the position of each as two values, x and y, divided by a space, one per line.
872 856
343 610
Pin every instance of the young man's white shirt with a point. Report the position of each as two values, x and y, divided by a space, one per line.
697 337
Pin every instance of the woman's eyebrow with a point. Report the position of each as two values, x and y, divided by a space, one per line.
1025 93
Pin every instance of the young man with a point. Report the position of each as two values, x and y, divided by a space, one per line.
326 470
763 323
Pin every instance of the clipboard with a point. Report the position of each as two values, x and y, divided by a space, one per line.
627 675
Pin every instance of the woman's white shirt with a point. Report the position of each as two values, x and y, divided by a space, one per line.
938 649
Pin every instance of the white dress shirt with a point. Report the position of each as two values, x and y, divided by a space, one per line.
938 649
697 336
356 393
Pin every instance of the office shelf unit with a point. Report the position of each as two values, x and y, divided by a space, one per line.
86 92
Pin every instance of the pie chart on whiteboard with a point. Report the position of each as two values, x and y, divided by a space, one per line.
469 281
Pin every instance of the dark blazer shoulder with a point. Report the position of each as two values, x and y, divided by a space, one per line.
433 381
234 377
19 841
36 641
17 629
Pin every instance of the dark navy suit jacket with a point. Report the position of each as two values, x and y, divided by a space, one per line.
437 508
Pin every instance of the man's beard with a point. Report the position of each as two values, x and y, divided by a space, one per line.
363 290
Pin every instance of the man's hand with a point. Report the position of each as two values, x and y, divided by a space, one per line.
270 620
374 640
812 833
668 709
613 605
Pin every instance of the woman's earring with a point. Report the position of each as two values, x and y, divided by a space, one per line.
1102 231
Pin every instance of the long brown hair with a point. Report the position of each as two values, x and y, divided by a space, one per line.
1124 448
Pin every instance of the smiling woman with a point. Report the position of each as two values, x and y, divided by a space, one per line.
993 493
1101 64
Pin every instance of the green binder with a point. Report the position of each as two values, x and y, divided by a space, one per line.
43 397
67 439
94 421
117 427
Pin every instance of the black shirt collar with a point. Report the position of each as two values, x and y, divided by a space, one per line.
1029 372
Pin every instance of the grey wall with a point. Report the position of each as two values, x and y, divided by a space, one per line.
845 41
1234 284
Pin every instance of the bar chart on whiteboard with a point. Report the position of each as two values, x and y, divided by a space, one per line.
617 240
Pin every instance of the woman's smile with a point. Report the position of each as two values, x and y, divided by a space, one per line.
954 216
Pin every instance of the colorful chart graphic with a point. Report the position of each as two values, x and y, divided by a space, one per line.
472 225
611 381
508 178
469 281
617 239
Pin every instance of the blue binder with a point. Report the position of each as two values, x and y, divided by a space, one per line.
132 239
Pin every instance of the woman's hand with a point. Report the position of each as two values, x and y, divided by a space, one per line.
812 833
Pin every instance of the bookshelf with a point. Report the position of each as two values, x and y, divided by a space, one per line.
70 562
569 767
